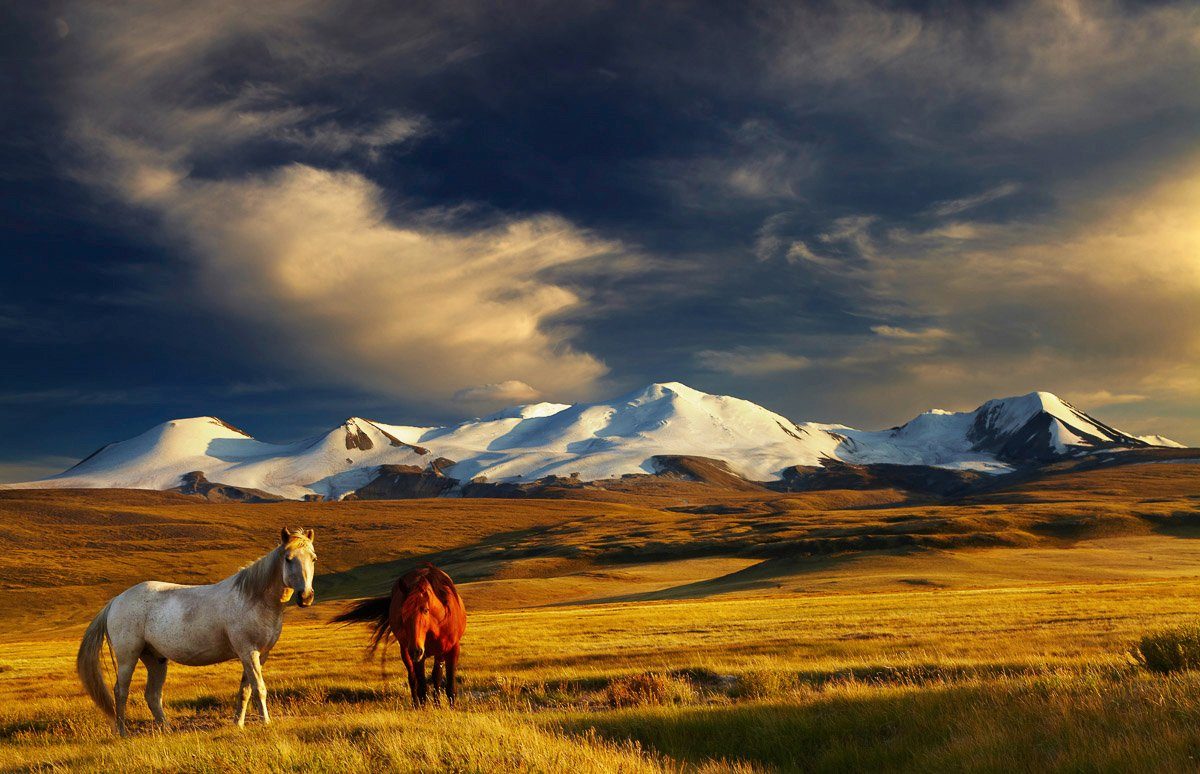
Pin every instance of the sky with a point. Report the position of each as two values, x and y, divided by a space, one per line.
421 212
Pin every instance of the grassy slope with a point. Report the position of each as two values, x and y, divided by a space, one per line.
781 652
113 539
915 678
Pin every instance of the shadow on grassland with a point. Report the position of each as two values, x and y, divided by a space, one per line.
766 574
1051 723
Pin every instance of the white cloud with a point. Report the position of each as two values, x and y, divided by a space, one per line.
330 276
955 206
332 137
749 361
1028 69
908 334
415 310
1108 293
1101 398
508 392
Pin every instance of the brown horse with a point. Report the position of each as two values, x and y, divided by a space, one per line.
426 616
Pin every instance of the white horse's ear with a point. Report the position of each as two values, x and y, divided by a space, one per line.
284 536
308 533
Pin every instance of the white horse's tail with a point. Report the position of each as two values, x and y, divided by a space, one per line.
91 674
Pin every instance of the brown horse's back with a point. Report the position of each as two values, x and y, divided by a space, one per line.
410 615
453 625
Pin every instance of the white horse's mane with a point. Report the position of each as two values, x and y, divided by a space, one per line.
256 578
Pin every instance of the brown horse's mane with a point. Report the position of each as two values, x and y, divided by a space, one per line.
439 582
410 590
417 596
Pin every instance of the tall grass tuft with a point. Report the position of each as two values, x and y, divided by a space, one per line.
1169 650
647 688
763 684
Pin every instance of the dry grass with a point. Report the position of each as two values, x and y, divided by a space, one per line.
713 640
117 538
905 680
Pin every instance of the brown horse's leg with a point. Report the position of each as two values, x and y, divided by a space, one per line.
437 679
422 687
451 673
411 669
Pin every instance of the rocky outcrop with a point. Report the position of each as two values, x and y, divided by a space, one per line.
196 484
704 470
407 482
357 438
922 479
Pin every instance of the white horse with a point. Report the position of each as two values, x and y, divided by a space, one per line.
240 617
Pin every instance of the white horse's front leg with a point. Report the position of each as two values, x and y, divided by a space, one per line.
244 695
252 665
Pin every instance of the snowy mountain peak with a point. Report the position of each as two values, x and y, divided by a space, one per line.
1160 440
1041 426
664 390
189 432
199 425
595 440
526 411
1011 413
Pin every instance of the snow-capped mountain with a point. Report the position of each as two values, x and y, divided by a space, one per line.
595 441
1160 440
995 437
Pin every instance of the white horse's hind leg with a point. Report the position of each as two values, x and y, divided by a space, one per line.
125 665
156 675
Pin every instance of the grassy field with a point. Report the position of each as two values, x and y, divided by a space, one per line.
666 653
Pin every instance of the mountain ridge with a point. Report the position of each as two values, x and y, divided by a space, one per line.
593 441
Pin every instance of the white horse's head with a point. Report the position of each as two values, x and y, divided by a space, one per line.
298 565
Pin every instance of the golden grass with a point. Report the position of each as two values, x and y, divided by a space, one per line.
63 549
753 638
958 677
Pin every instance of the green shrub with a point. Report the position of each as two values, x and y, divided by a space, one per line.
1170 650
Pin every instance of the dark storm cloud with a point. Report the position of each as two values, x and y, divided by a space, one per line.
844 210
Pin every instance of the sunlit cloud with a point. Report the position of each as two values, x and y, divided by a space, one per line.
337 284
749 361
1103 398
896 207
499 394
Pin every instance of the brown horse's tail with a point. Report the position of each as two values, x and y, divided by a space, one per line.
373 612
87 662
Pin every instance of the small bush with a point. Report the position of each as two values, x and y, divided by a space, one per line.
1169 650
505 685
647 688
763 684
